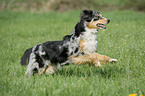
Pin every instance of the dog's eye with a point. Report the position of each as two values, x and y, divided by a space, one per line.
88 20
95 19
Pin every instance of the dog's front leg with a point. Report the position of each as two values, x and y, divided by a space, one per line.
104 59
90 59
37 62
81 59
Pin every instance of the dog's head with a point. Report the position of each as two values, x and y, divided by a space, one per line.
94 19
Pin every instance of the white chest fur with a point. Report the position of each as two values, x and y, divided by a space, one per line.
90 41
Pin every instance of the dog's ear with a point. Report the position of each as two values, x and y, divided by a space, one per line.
86 15
86 12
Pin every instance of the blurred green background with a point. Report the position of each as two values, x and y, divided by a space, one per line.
65 5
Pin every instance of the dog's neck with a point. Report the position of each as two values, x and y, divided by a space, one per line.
81 31
90 30
74 42
90 33
90 40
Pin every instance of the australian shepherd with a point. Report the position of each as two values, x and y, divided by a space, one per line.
79 47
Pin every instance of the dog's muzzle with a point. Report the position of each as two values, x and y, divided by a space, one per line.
108 21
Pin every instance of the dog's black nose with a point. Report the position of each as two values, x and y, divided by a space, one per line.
108 21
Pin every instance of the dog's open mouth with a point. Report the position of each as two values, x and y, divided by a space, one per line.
101 25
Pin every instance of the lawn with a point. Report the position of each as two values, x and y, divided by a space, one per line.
124 39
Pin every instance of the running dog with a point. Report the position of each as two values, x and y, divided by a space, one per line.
80 45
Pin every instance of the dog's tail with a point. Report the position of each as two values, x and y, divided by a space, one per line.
25 57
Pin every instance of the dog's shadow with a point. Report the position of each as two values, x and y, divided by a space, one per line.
86 71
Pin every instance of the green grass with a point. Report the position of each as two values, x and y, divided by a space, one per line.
124 40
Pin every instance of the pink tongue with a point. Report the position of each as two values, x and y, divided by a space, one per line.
101 25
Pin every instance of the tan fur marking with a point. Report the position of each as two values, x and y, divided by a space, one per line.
82 44
102 58
98 15
47 71
93 24
102 21
41 71
50 70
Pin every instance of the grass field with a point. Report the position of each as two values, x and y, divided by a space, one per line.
124 40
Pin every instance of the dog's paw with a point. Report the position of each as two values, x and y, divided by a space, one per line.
50 70
113 61
97 65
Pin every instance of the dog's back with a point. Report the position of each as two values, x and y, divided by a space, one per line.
26 55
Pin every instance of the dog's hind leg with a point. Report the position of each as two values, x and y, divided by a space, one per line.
37 63
33 66
50 70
